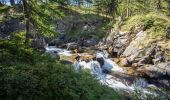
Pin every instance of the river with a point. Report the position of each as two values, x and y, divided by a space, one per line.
118 78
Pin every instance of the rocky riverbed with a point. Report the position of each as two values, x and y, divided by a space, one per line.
107 70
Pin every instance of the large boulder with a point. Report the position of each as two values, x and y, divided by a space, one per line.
155 71
72 46
133 50
124 62
118 41
91 41
39 43
11 26
56 42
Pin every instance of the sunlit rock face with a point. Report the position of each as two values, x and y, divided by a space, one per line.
133 50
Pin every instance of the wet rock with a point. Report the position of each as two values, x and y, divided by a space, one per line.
90 42
112 52
116 60
165 82
100 60
80 50
152 87
56 42
72 46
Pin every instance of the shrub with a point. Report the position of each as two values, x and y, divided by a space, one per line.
28 75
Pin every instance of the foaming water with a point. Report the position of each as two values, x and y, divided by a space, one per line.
96 70
53 49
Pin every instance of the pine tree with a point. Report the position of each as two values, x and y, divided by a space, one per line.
12 2
38 14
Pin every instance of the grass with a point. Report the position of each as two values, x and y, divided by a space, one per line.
154 24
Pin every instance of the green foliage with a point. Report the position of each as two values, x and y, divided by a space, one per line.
78 17
15 49
50 80
107 6
155 24
3 9
41 14
27 74
140 95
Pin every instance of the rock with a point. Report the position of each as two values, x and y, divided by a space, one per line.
165 83
124 62
116 60
80 50
118 42
137 65
159 56
39 43
100 60
168 33
112 52
133 50
152 87
11 26
90 42
102 47
155 71
72 46
56 42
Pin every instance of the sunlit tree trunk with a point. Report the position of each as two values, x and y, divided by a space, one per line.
27 21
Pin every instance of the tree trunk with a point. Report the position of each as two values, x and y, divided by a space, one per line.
1 3
127 10
12 2
27 21
168 7
79 4
158 5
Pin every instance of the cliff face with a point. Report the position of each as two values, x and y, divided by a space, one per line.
143 48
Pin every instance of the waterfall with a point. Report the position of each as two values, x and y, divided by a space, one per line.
96 70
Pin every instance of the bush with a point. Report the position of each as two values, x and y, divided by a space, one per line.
48 79
26 74
14 49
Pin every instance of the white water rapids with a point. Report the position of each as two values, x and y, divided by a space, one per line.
96 70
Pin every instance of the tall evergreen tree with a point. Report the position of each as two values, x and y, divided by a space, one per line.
12 2
38 14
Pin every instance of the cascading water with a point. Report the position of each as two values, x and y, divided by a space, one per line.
96 69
